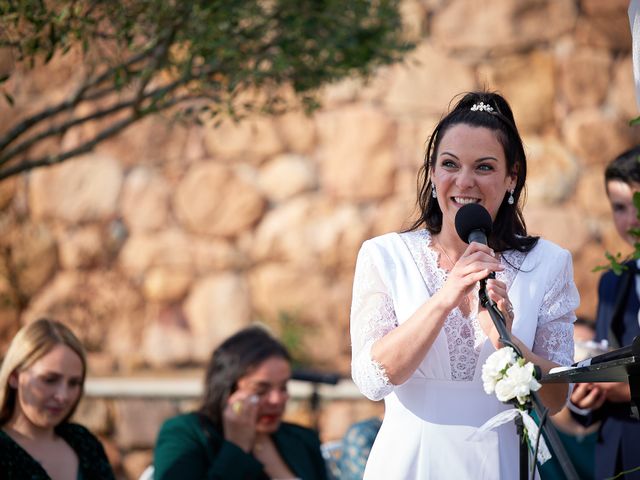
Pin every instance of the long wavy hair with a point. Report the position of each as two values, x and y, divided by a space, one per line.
30 344
509 229
236 357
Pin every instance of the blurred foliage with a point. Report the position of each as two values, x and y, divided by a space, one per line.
292 335
211 57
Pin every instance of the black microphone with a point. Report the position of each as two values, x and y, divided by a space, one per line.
474 224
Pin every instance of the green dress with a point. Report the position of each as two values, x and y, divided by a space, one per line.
580 450
17 464
190 447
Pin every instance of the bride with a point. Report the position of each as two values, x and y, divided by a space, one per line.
419 335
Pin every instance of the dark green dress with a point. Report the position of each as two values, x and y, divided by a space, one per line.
17 464
189 447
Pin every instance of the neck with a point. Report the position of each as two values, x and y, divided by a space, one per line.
451 243
20 425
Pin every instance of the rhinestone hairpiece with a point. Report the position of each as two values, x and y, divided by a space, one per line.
481 107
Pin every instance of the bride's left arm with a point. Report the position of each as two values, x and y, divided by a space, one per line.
553 342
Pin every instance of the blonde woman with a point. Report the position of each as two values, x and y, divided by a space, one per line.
41 382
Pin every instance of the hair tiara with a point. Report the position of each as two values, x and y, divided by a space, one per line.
481 107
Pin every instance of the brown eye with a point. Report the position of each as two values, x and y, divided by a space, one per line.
261 392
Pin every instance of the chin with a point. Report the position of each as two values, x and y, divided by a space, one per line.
267 427
51 421
47 423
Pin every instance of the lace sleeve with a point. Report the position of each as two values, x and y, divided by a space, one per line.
372 316
554 335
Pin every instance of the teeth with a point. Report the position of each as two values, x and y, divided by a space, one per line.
465 200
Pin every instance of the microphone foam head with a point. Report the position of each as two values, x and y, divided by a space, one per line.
470 217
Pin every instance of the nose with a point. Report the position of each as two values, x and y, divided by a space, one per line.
276 396
62 392
465 179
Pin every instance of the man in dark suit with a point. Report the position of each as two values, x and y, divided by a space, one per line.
618 447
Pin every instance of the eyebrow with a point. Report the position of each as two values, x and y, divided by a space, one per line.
264 383
481 159
51 373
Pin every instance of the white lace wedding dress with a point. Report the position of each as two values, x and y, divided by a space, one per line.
429 418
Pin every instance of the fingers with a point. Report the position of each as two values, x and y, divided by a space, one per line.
237 407
580 390
239 419
476 263
588 396
479 258
242 405
497 291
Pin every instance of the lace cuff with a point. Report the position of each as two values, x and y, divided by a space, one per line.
372 317
370 376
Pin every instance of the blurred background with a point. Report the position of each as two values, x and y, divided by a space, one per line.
171 235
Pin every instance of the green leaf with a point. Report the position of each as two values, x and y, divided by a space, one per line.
616 263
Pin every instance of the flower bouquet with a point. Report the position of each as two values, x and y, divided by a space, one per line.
512 379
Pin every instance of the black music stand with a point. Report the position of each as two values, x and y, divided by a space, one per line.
621 365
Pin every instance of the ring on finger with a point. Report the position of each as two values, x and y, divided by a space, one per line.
236 407
510 309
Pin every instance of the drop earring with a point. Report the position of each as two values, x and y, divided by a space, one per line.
511 200
433 191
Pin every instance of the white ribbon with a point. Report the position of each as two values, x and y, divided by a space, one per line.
529 423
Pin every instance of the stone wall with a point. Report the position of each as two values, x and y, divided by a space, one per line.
168 238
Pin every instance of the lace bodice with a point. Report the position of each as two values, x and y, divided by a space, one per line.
373 315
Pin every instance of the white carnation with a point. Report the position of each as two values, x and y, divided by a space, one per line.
493 368
522 381
505 389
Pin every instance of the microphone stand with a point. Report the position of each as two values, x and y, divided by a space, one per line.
538 407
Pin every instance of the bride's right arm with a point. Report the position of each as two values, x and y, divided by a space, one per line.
384 353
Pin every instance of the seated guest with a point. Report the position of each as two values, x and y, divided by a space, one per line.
41 382
356 446
579 441
238 431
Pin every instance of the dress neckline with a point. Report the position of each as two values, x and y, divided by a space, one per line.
465 337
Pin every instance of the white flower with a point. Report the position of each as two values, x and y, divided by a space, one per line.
505 389
494 367
523 380
518 382
512 377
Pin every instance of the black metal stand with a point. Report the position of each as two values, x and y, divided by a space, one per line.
621 365
550 435
315 378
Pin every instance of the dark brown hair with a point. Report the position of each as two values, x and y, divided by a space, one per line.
236 357
625 167
509 229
